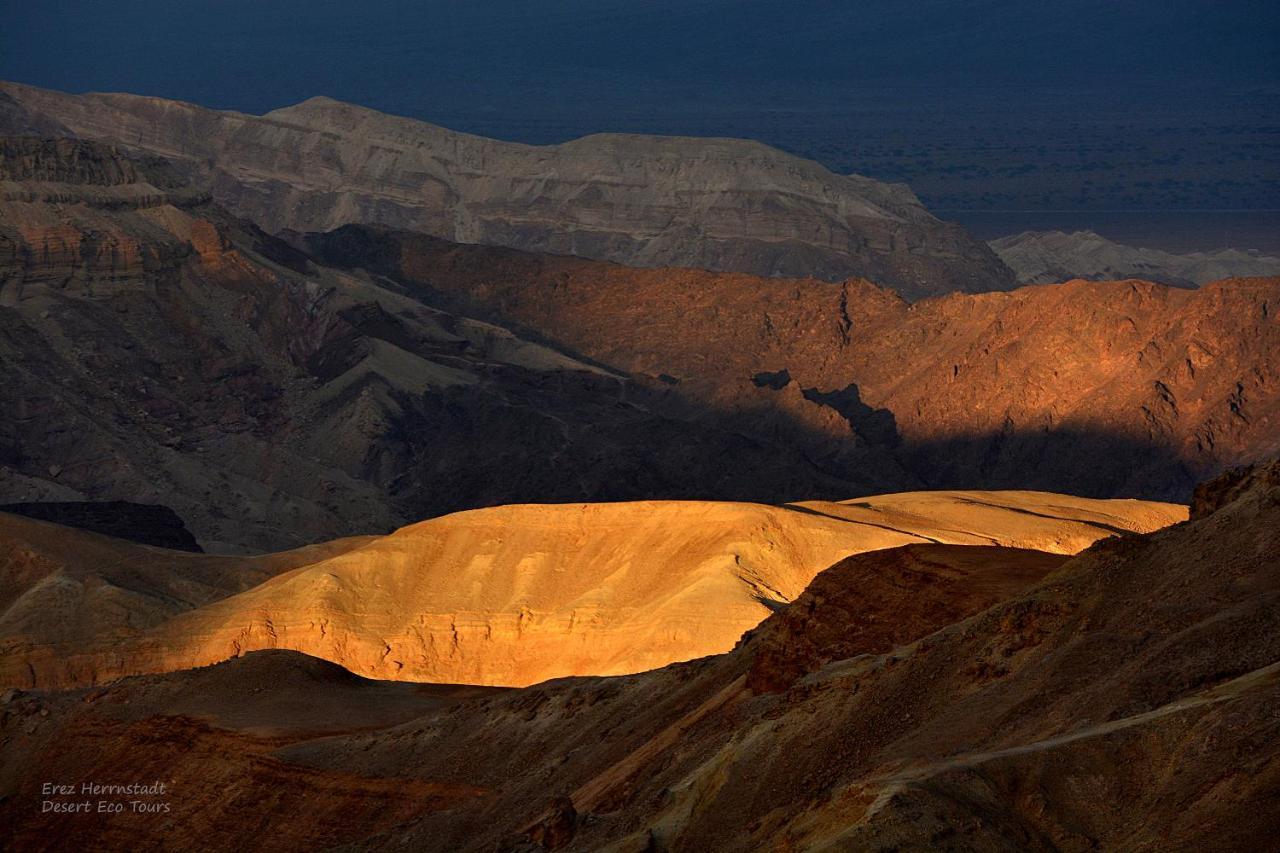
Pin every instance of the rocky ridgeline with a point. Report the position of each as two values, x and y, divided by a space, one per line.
1045 257
63 161
651 201
1113 388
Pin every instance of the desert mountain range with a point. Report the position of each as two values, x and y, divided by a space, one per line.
928 696
1044 257
158 349
372 486
720 204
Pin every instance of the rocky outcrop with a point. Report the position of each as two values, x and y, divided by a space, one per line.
1044 257
112 246
64 161
868 604
641 200
1213 495
505 596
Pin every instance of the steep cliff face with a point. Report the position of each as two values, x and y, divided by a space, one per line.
115 244
644 201
505 596
1096 388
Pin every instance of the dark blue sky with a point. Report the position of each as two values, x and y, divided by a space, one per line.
418 56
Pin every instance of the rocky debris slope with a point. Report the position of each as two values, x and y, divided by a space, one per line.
1095 388
640 200
503 596
922 697
1044 257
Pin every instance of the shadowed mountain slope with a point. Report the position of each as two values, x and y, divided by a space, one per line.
1095 388
157 350
641 200
146 524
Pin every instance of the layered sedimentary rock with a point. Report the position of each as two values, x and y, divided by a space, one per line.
1095 388
640 200
1044 257
504 596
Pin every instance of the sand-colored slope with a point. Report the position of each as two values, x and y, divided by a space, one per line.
1041 521
519 594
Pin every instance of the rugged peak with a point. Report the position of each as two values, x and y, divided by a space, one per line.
1231 486
321 107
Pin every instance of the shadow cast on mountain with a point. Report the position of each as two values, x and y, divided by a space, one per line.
1095 463
760 448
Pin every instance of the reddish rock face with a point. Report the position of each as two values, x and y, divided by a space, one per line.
1214 494
1097 388
872 603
